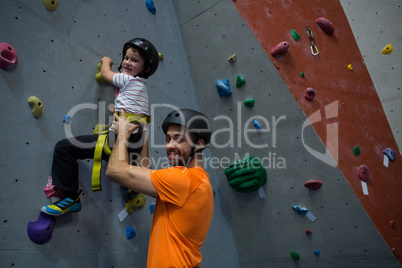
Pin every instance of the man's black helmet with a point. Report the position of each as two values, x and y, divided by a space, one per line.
197 123
151 55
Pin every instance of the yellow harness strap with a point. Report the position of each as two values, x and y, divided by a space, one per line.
103 146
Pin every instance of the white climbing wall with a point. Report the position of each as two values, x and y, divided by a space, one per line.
376 24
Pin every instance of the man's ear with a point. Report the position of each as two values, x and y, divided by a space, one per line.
200 144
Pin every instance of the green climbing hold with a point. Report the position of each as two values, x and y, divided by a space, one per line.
249 103
295 255
295 35
356 150
302 74
240 81
246 175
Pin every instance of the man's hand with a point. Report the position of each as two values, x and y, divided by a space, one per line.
121 126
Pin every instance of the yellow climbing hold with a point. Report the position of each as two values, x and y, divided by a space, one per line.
387 49
232 58
98 76
36 106
350 67
161 57
136 202
51 5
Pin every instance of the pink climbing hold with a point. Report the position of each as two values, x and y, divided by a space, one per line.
52 190
8 56
325 25
309 94
280 49
363 173
313 185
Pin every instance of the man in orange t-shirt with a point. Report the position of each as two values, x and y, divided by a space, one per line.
183 192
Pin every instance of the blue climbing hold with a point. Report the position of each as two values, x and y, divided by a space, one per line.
300 210
390 154
256 124
40 231
152 208
150 5
130 232
317 252
223 87
67 119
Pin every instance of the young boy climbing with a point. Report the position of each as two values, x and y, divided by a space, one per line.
140 59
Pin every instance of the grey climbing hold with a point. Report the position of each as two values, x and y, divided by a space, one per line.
390 154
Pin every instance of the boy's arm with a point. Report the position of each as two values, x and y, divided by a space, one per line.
106 70
119 170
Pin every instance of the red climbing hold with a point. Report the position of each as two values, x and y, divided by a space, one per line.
363 173
280 49
309 94
325 25
8 56
313 185
308 231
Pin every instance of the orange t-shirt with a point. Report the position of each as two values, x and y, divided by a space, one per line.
182 216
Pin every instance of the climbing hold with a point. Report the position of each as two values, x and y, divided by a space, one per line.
136 202
67 119
387 49
246 175
40 231
150 5
52 190
223 87
356 150
98 76
325 25
232 58
36 106
130 232
350 67
308 231
392 223
249 103
309 94
51 5
256 124
363 173
302 74
295 255
280 49
299 210
316 252
161 57
313 185
390 154
8 56
152 208
295 35
240 81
